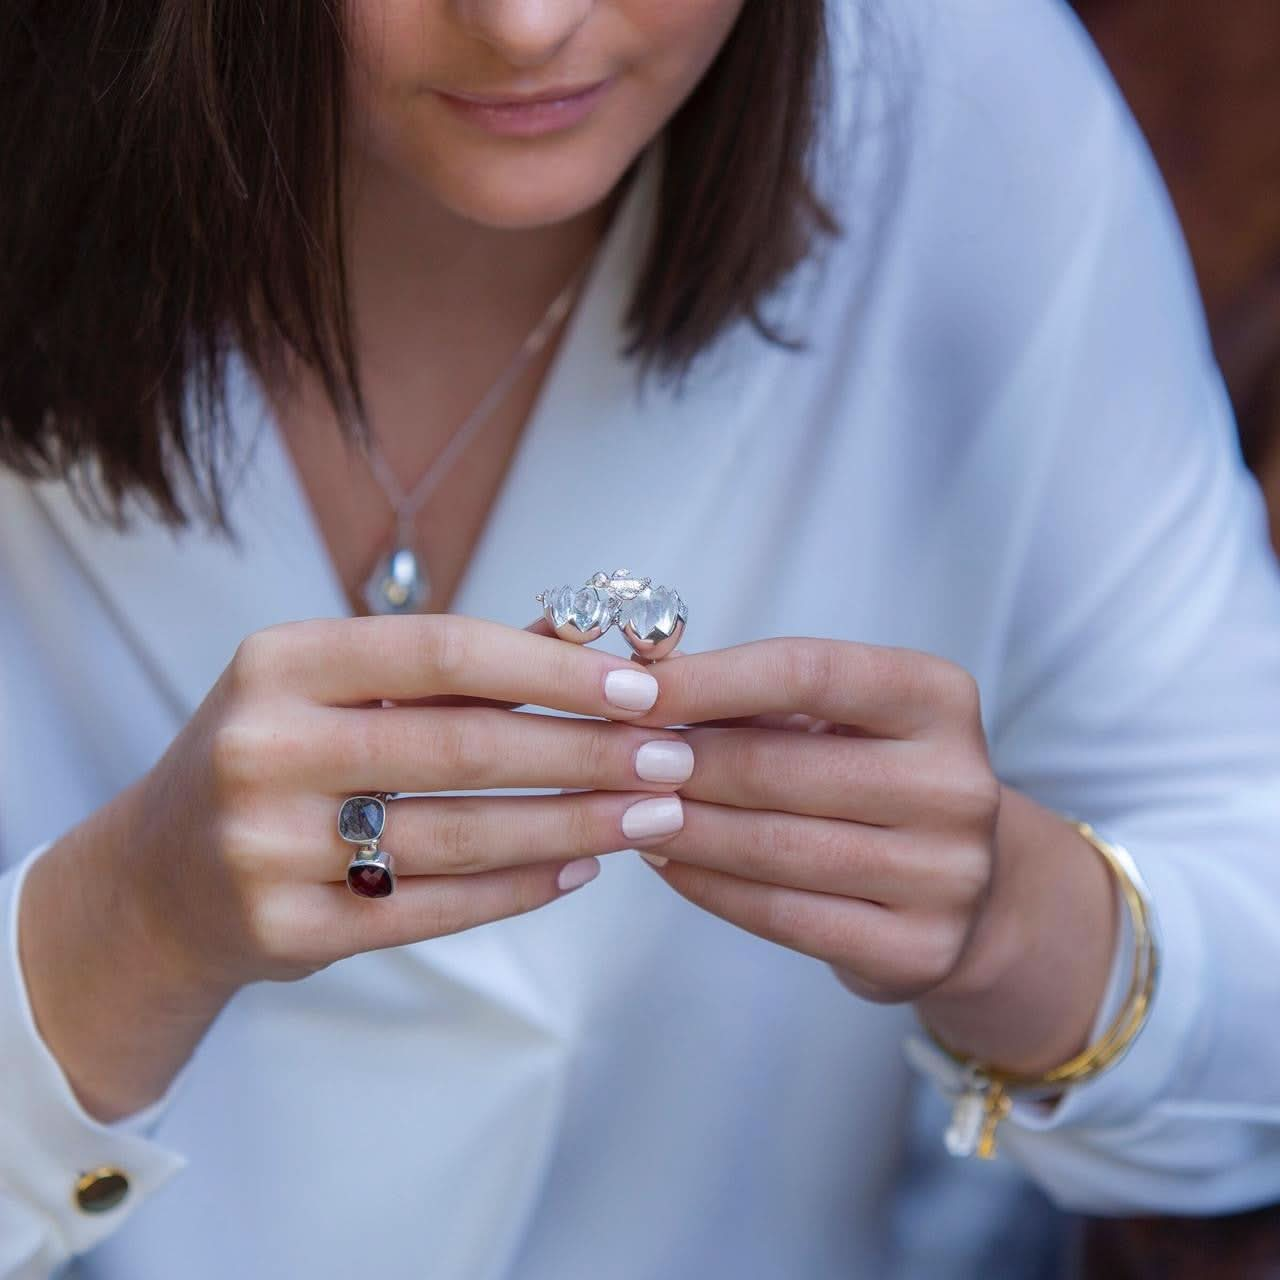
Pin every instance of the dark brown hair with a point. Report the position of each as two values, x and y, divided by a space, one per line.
171 185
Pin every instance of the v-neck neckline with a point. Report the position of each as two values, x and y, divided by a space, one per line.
597 317
185 598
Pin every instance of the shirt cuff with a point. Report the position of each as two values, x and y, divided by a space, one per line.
1121 1093
48 1141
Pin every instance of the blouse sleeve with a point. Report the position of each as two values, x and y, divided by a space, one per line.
1139 689
48 1140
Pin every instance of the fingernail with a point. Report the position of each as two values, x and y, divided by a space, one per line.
656 858
631 690
659 816
573 875
664 760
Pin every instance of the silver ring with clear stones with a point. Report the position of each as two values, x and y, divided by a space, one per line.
651 618
361 819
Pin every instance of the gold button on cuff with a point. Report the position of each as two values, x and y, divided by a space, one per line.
101 1189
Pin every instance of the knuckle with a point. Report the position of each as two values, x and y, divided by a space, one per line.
312 949
581 832
836 853
457 844
462 748
289 940
442 912
953 794
922 954
955 688
238 845
360 747
974 797
938 945
269 928
529 891
753 755
970 868
757 855
248 751
807 667
257 657
236 754
597 756
873 988
590 753
445 648
782 921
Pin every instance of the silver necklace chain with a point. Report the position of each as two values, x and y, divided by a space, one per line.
399 582
407 505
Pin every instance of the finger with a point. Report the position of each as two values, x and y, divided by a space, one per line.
892 868
424 907
888 692
539 627
351 750
463 835
868 780
351 661
860 936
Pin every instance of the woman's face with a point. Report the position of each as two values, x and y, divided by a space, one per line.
523 166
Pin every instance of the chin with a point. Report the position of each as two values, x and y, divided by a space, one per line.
519 191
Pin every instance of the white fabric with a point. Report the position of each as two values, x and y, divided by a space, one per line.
1007 444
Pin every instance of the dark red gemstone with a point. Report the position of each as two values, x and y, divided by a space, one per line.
370 882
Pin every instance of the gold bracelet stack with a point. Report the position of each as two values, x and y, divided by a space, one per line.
987 1095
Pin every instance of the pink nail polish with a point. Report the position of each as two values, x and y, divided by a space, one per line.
659 816
573 875
664 761
631 690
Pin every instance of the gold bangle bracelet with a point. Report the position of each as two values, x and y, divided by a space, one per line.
986 1098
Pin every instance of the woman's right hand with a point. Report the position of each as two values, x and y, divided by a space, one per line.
223 865
246 877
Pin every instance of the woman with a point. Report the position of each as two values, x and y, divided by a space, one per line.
974 562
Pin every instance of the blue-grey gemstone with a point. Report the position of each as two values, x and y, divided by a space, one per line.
361 818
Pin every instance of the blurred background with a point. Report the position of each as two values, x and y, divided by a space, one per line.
1203 78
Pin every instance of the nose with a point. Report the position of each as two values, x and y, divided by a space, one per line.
526 33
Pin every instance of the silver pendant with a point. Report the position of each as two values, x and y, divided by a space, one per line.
399 582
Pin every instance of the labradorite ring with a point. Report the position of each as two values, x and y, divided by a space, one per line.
370 873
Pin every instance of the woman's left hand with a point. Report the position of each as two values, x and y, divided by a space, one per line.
841 804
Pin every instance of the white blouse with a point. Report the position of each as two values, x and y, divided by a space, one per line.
1007 444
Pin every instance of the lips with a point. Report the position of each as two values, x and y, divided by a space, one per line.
547 112
557 94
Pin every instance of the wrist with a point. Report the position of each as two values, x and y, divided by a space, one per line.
1028 989
117 1003
151 893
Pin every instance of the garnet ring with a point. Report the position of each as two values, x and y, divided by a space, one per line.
651 618
360 821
